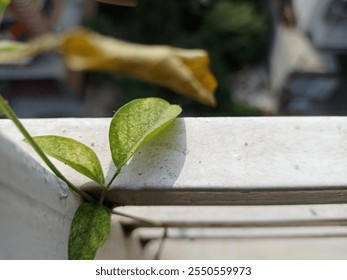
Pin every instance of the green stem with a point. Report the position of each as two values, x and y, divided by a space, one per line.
12 116
113 178
105 189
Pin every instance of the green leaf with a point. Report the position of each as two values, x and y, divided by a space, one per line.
2 112
3 105
136 123
73 153
8 46
89 229
3 6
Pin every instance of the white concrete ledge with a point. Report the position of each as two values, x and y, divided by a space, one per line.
256 162
219 161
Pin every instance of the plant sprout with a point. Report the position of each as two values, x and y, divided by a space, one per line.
131 127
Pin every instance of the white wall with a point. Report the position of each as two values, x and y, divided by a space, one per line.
311 20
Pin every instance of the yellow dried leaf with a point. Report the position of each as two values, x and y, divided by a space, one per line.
184 71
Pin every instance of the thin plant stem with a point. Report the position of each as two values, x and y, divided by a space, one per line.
13 117
113 178
105 189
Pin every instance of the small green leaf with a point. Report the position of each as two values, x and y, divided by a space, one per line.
73 153
2 112
3 104
136 123
3 6
9 46
89 230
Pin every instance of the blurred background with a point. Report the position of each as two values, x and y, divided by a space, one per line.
270 57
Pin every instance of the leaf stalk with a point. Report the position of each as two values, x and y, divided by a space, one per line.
12 116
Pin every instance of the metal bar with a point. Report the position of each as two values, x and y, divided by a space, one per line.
241 224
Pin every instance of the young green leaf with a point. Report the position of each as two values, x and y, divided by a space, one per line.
73 153
2 112
3 6
136 123
9 46
3 106
89 229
